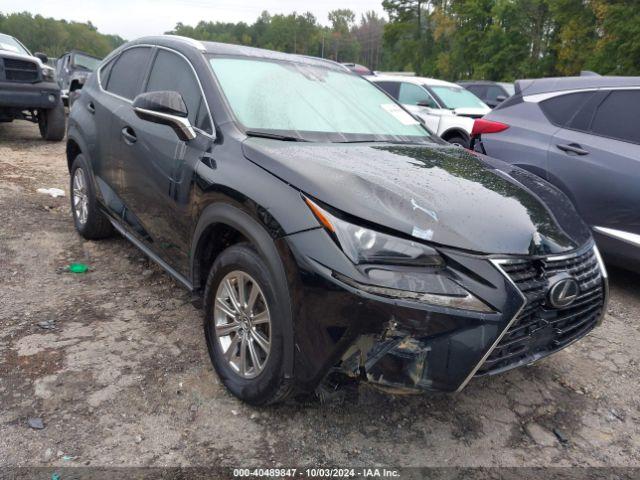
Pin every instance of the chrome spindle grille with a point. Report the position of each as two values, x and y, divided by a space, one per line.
540 328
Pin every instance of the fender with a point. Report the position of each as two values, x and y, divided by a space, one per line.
250 228
73 136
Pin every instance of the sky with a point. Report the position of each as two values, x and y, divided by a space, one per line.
135 18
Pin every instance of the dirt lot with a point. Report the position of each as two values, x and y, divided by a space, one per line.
115 364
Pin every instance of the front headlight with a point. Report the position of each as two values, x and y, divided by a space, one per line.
365 246
48 74
375 252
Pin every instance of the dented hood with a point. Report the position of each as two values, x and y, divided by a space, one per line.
439 193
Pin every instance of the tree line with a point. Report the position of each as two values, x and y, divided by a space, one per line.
55 37
345 39
450 39
510 39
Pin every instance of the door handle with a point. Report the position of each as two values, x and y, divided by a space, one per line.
573 148
91 107
129 135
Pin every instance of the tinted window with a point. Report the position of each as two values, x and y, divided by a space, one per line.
128 71
104 73
559 110
411 94
478 90
583 117
392 88
617 116
493 92
171 72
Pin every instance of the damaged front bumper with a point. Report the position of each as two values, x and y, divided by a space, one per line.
402 344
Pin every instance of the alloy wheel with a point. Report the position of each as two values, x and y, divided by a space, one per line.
242 324
80 198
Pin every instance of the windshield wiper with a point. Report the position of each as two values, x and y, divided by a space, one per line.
274 136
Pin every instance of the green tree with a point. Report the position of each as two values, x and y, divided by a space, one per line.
54 37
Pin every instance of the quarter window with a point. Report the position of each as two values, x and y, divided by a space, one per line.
617 116
128 71
171 72
411 94
392 88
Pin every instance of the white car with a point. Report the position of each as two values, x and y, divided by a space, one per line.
447 109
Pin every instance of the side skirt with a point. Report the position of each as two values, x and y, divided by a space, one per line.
151 255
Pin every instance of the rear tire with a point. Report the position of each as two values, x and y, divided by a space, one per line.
90 222
458 140
52 122
260 381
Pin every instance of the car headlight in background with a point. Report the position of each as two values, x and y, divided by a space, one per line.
374 252
48 74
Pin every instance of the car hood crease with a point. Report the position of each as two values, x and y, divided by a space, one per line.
436 193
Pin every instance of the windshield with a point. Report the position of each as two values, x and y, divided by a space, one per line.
457 97
86 62
311 103
509 87
12 45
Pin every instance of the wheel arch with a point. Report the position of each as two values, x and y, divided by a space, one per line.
221 225
455 132
75 146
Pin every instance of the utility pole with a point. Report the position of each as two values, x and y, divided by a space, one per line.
322 54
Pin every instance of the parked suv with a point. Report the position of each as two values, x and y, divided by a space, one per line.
329 233
491 93
581 134
28 89
72 70
446 108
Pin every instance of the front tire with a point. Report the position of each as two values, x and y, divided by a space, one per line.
244 308
52 122
90 222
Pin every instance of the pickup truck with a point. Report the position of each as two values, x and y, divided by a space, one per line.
28 89
72 70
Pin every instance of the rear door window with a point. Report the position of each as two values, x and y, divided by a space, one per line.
411 94
561 109
617 116
128 72
582 119
171 72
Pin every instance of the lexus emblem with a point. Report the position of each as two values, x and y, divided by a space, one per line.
564 292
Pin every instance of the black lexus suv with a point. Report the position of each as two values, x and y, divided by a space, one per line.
329 233
28 89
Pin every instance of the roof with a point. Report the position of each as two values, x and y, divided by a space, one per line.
477 82
556 84
432 82
217 48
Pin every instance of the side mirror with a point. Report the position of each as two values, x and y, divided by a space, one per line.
425 103
165 108
500 98
42 56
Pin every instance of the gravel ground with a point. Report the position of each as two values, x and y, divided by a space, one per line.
115 364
